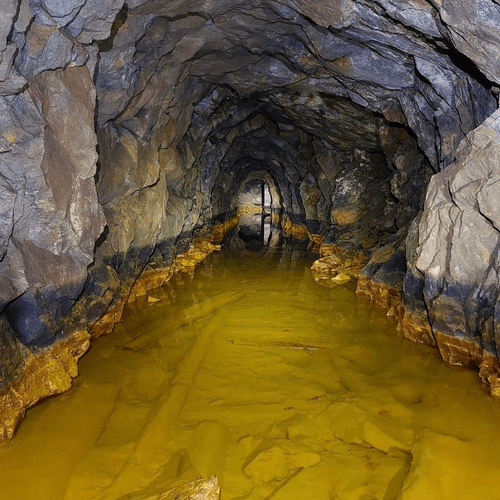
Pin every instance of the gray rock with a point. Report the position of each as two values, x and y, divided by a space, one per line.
6 61
459 240
46 48
13 85
9 9
421 16
51 214
63 11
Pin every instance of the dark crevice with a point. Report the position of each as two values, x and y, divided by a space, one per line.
120 20
464 63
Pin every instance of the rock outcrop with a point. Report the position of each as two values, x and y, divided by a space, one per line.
455 263
128 128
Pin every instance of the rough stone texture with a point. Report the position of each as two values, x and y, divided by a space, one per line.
457 253
382 278
338 266
345 107
52 229
415 321
43 374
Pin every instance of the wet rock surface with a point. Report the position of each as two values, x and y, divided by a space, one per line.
456 254
128 129
201 489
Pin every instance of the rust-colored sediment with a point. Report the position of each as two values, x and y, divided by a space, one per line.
44 374
298 231
456 352
337 265
414 324
315 241
416 327
106 322
466 353
220 230
51 370
254 209
356 258
345 216
150 279
199 250
382 295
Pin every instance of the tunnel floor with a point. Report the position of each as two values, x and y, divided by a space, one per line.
282 388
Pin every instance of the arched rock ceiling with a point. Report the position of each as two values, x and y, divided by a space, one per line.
335 69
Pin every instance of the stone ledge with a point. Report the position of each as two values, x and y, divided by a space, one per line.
465 353
297 231
456 352
44 374
383 295
337 265
412 321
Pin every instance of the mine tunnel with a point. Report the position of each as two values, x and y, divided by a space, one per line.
255 243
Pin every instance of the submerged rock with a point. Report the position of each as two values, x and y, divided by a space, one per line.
338 267
275 464
199 489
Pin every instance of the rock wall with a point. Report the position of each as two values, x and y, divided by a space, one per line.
127 130
453 280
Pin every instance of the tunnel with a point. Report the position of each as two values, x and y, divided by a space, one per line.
136 135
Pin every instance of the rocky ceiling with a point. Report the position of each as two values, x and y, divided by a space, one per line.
127 129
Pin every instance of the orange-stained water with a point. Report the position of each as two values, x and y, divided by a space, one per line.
281 387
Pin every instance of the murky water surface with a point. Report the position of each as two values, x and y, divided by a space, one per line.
283 388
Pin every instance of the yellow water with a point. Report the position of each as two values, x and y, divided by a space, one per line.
286 390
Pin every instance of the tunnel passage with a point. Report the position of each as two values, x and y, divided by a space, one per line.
128 128
255 196
251 197
259 210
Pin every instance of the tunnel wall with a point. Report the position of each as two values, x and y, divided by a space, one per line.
451 285
125 130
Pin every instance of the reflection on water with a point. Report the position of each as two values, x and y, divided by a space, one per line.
284 389
258 232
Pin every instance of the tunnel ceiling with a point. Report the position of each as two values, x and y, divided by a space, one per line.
304 90
337 70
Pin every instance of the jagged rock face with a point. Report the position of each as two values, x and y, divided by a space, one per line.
455 261
347 106
53 218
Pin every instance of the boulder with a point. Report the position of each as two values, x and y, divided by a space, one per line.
456 254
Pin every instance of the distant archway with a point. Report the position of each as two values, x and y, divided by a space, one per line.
259 207
259 193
